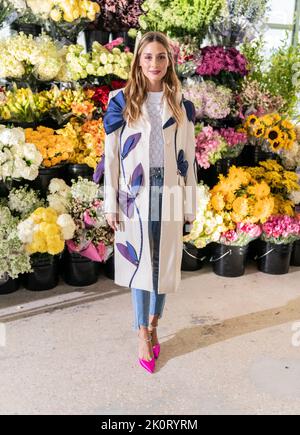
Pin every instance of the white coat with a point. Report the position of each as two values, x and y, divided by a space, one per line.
126 191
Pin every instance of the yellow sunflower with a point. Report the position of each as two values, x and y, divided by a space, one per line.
258 130
273 134
251 121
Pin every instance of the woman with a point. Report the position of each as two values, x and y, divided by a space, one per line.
150 184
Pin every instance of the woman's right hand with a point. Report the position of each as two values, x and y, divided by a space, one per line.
112 220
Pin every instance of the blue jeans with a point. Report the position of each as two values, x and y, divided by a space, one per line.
146 303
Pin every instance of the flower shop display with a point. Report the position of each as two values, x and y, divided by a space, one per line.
282 184
180 17
44 234
14 260
241 198
222 64
25 57
23 106
23 201
230 253
241 20
211 101
276 244
206 228
253 99
272 133
19 159
92 242
63 18
111 59
55 148
277 73
123 15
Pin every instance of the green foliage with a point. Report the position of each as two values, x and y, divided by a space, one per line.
279 74
181 17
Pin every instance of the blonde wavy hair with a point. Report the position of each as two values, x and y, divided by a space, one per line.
137 86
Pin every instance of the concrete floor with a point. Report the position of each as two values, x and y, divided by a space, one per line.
226 348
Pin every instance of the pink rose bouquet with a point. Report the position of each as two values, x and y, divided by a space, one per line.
209 147
242 235
281 229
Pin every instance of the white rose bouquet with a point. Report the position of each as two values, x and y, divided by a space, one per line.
18 159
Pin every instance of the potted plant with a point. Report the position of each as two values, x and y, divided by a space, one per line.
275 248
44 234
14 260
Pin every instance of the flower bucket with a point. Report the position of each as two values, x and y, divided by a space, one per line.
260 156
109 267
192 257
77 270
45 275
10 286
27 28
252 250
229 261
208 176
100 36
129 42
274 259
223 165
74 171
295 258
41 183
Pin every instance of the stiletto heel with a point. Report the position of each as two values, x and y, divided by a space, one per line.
156 347
148 365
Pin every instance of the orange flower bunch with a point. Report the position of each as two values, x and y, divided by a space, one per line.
54 147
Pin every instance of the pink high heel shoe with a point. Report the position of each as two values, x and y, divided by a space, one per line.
147 365
156 347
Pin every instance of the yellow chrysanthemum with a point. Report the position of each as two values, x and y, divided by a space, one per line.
263 209
240 206
259 190
217 202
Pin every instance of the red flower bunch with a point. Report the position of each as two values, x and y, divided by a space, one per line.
100 96
217 59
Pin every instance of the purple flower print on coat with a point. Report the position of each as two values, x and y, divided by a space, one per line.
128 252
130 143
170 122
126 202
137 179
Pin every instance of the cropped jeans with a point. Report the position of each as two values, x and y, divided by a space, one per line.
146 303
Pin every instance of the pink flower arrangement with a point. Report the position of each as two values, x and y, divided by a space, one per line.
281 229
217 59
209 147
211 101
243 234
233 137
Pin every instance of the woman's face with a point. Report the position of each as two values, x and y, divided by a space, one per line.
154 62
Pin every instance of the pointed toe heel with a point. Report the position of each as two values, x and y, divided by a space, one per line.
148 365
156 350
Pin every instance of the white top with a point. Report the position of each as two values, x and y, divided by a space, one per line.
155 107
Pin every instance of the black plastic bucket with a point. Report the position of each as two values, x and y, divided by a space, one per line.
274 259
192 257
229 261
295 258
10 286
109 267
100 36
45 275
41 183
261 156
223 166
77 270
74 171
